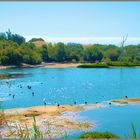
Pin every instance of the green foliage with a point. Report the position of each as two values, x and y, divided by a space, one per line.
93 54
92 135
93 65
123 64
14 51
13 37
36 39
44 52
37 133
60 52
113 54
134 135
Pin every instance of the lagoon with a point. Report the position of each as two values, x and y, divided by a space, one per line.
66 85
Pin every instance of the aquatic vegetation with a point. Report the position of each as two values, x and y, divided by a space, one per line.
4 76
12 75
91 135
134 134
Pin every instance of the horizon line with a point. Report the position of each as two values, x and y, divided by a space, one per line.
107 40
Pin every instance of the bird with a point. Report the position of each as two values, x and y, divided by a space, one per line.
44 103
85 103
58 105
33 93
13 96
29 87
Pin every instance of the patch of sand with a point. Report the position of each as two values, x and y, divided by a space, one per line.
6 67
51 116
129 100
63 65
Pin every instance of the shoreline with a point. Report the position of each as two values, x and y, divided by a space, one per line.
61 119
46 65
127 100
48 115
61 65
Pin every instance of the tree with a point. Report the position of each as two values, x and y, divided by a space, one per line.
60 52
122 55
13 37
93 54
36 39
113 54
44 53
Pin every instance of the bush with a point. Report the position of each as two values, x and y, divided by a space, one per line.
92 135
93 66
124 64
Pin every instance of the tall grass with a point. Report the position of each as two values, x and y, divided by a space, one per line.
134 134
37 133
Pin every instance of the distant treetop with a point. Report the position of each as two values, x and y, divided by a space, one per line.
36 39
13 37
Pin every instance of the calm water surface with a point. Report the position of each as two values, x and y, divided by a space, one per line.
66 85
116 119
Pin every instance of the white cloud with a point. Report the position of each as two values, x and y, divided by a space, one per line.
86 40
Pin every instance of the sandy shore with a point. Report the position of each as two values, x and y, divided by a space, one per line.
45 65
63 65
47 115
6 67
129 100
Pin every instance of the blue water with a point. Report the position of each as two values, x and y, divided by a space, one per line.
116 119
66 85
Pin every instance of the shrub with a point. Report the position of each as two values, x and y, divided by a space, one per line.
124 64
93 65
98 135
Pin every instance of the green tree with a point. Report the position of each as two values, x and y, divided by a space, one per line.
44 53
36 39
93 54
60 52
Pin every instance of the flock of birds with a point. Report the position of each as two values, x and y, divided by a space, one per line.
29 87
44 100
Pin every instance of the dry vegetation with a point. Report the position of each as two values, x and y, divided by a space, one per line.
39 43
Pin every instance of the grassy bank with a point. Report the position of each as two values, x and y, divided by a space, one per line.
108 65
93 65
123 64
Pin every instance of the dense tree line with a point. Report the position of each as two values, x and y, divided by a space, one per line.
14 51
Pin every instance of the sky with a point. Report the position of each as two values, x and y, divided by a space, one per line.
80 22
